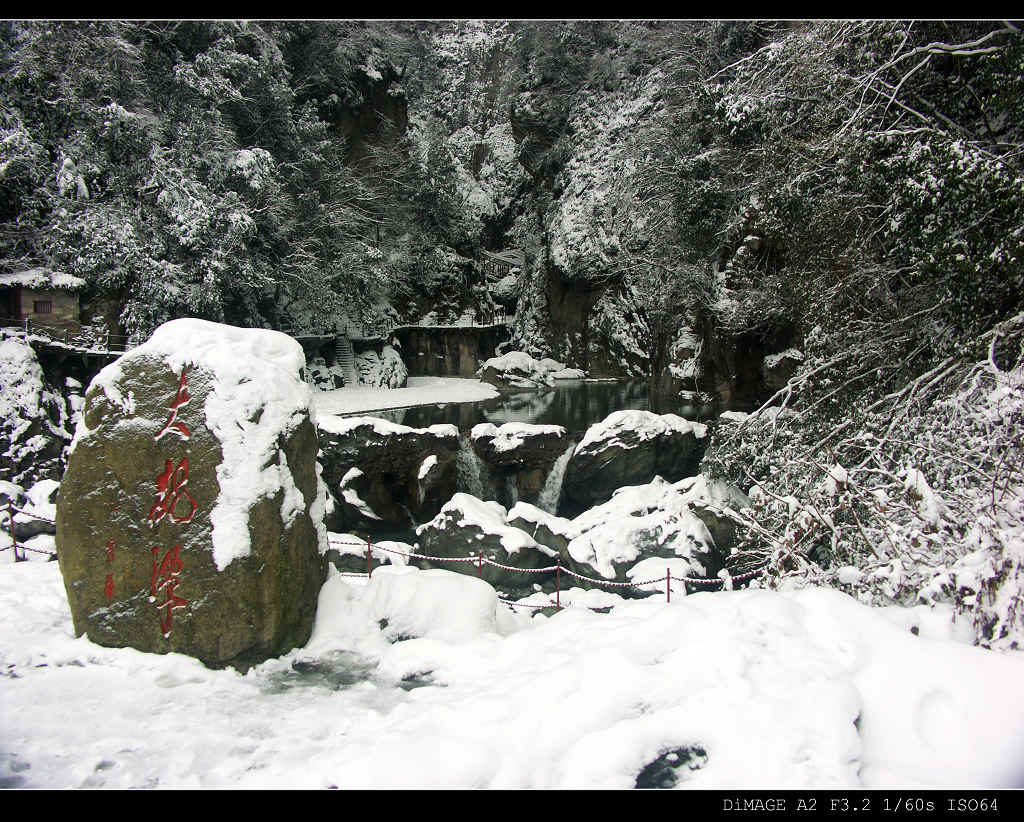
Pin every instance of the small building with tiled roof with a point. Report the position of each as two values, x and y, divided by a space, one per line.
40 295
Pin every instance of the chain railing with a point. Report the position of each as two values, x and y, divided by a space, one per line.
15 545
724 578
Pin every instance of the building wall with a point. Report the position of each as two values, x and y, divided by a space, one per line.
63 302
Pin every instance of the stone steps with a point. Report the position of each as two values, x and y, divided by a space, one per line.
345 356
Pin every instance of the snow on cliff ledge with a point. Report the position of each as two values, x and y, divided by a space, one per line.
257 398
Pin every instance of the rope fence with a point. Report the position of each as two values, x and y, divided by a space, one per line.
15 545
724 578
30 514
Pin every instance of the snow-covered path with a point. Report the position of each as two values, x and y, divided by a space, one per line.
776 690
419 391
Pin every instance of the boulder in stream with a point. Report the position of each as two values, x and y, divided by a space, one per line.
521 453
384 475
632 447
467 527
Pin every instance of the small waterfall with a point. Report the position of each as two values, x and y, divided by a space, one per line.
550 494
511 490
468 467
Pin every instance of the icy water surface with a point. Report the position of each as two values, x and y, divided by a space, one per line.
573 404
336 671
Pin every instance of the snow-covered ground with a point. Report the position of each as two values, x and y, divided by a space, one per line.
419 391
422 679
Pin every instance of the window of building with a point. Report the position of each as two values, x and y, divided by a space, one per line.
42 306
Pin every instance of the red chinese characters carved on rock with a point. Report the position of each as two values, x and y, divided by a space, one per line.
165 580
108 588
170 487
181 399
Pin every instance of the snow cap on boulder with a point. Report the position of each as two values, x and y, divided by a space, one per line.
630 448
518 370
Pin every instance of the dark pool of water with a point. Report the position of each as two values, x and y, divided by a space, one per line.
573 404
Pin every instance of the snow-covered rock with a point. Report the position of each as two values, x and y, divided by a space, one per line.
436 604
638 523
776 369
393 479
631 447
518 370
33 417
715 503
519 454
383 370
38 513
512 441
467 527
190 518
506 290
10 492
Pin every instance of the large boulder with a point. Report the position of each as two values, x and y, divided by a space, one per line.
650 526
716 504
382 474
629 448
468 527
33 417
516 370
520 453
190 518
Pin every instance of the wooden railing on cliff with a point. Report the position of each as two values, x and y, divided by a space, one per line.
87 340
80 338
499 264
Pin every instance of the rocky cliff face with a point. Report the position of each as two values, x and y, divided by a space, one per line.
598 327
579 306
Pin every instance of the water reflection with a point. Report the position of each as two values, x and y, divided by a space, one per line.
573 404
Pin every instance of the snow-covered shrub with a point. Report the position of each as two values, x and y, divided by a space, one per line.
33 416
384 370
917 496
